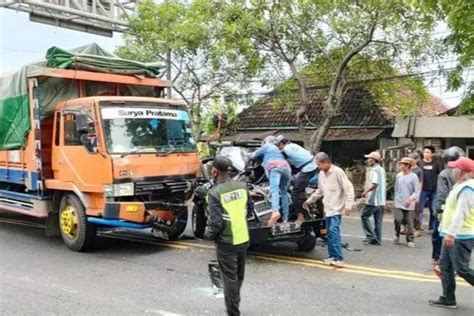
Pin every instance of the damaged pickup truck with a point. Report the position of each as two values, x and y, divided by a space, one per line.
304 233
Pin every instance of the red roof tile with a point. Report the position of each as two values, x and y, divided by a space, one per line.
359 110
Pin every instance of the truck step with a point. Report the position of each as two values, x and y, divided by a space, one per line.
22 196
4 206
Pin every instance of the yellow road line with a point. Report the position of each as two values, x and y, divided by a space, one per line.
394 274
348 268
155 243
319 263
355 267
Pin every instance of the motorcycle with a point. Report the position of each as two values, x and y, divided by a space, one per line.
304 233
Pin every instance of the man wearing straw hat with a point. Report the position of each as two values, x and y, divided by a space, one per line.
407 192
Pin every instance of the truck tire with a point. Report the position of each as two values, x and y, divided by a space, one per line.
179 227
199 220
307 242
77 233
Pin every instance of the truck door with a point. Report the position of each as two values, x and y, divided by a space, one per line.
78 158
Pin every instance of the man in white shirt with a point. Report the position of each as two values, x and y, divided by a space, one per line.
338 198
375 194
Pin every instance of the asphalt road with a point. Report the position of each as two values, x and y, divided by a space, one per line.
40 276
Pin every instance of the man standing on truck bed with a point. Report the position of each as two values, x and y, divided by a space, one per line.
229 201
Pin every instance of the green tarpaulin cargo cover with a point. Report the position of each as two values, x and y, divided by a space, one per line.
14 100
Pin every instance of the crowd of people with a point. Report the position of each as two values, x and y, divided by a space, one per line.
446 189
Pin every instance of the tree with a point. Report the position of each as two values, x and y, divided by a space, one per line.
458 15
189 33
354 40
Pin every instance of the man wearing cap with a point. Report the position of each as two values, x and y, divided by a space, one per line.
407 192
374 193
229 202
301 160
457 230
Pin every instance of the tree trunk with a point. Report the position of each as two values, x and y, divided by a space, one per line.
337 91
196 119
301 112
304 98
318 136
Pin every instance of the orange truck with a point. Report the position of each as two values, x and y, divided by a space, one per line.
107 152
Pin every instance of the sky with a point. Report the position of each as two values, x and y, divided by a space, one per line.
23 41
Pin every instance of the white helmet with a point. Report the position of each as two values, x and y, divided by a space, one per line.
279 138
269 140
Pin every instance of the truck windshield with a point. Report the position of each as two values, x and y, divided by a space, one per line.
147 130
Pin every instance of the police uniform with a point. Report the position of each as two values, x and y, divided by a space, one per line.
229 202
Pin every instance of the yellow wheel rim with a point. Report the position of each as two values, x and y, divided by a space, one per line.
69 222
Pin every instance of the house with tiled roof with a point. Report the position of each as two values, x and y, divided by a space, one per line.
363 124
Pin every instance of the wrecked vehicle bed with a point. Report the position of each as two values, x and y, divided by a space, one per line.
304 233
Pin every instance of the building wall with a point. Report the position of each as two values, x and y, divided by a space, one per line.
345 153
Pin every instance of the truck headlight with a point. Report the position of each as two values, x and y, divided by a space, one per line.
119 189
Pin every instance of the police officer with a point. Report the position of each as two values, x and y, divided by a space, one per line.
446 181
229 202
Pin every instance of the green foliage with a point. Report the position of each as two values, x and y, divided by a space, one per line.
387 85
467 104
202 66
229 108
218 45
312 38
459 16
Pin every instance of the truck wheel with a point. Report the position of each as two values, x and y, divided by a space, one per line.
179 227
307 242
199 220
77 233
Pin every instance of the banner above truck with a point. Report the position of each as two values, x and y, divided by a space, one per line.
14 99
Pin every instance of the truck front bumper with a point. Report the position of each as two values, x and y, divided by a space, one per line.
143 212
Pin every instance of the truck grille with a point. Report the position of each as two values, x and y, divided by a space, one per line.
160 187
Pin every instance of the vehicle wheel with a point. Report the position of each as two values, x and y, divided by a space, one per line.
77 233
199 220
179 227
307 242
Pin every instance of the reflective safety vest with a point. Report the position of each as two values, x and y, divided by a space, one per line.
233 198
467 229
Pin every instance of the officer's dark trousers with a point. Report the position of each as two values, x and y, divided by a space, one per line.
232 264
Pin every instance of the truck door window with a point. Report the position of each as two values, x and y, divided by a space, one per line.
79 130
57 128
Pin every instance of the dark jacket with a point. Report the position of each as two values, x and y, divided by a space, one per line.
446 182
228 204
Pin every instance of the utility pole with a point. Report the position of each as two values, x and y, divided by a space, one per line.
168 73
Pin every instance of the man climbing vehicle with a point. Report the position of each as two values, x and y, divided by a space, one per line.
301 160
278 172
